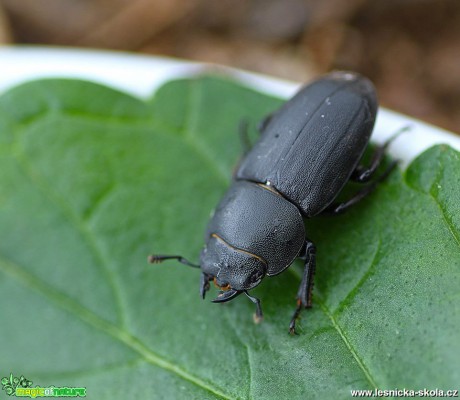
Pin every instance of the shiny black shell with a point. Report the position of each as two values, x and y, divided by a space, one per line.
254 219
311 145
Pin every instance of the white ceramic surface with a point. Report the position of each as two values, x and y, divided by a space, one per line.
140 75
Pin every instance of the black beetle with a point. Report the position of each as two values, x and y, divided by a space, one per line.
308 150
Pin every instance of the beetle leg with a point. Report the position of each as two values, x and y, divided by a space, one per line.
244 135
258 316
264 123
304 294
363 173
338 208
243 131
204 284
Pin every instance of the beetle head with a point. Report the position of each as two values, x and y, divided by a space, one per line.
231 268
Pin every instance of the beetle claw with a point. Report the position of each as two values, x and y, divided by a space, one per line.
257 318
228 295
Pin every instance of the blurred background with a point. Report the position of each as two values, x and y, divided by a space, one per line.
409 48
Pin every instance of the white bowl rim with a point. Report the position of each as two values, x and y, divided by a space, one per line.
140 75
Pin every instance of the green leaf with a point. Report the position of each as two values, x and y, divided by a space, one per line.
93 180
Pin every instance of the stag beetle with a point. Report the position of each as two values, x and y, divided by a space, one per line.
307 151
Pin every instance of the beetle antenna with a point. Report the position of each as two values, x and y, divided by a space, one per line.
157 258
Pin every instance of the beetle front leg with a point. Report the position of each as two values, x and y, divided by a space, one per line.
204 283
304 294
258 316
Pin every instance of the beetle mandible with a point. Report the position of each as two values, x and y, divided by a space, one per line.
307 151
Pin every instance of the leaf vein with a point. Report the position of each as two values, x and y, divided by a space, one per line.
79 227
450 225
73 307
248 355
340 331
354 291
347 342
189 131
444 213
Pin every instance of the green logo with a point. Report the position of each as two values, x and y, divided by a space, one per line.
22 387
10 384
